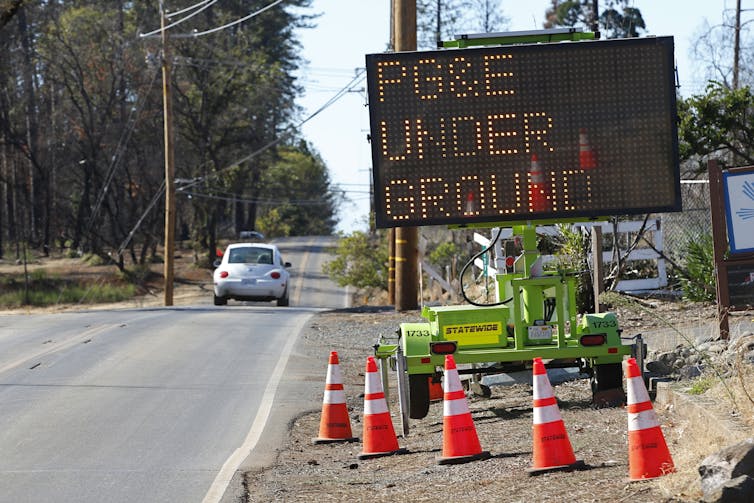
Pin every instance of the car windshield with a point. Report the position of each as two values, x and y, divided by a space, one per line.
250 255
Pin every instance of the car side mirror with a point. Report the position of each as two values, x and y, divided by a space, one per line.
216 263
287 265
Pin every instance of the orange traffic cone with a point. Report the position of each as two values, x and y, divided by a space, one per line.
538 192
334 425
379 434
648 454
460 443
587 159
435 388
552 448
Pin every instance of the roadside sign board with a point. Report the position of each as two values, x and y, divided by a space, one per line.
741 285
739 210
521 132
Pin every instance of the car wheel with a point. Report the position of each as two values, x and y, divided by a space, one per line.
220 301
284 301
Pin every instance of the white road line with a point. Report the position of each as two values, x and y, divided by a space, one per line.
224 476
302 268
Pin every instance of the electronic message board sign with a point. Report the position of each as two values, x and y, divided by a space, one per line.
524 132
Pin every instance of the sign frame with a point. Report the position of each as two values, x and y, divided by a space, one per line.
739 186
668 170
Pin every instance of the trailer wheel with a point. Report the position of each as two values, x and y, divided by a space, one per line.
607 385
418 395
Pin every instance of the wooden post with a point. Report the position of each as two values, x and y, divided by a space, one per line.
406 238
720 244
169 166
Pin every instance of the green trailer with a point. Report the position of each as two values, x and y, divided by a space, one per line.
535 318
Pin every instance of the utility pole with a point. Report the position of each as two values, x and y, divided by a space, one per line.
167 108
737 44
406 238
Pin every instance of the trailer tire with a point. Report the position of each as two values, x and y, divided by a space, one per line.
418 395
607 385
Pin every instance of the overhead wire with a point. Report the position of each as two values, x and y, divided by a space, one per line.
237 21
192 7
171 25
136 226
356 80
119 150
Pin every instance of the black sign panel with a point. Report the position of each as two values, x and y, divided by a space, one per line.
740 285
524 132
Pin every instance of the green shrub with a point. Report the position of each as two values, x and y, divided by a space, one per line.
443 255
360 261
698 278
572 257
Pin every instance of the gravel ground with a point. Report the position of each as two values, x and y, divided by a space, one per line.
333 472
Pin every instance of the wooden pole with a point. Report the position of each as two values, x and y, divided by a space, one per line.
406 238
169 166
719 244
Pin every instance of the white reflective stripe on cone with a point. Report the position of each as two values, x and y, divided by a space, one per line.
372 383
452 381
636 392
375 406
642 420
455 407
333 375
546 414
334 396
542 388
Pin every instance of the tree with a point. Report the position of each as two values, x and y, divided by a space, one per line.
618 20
485 16
235 100
297 187
714 52
360 261
8 9
718 123
81 144
439 20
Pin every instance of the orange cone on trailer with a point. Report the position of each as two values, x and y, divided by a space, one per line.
379 434
648 454
539 194
460 443
587 159
552 449
334 425
435 388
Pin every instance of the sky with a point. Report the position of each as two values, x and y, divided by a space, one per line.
347 30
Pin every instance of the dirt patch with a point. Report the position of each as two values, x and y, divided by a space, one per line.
192 285
504 426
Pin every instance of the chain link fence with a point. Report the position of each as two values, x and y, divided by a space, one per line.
690 224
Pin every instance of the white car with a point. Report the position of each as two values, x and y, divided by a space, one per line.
251 271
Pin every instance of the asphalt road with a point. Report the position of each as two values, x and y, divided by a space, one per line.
151 405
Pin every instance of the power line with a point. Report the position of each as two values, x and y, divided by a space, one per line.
358 79
277 202
119 150
179 12
237 21
159 30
